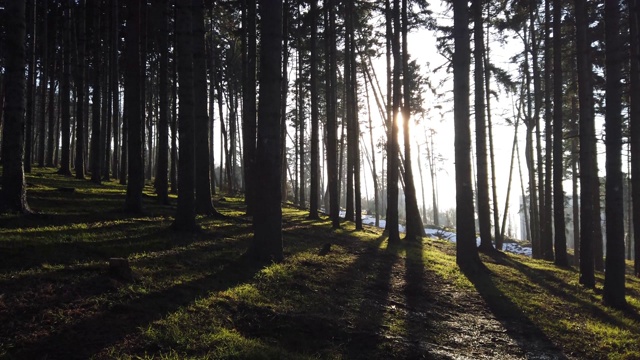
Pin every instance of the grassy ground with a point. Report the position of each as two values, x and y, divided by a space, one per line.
196 296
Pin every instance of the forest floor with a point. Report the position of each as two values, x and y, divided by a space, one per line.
195 295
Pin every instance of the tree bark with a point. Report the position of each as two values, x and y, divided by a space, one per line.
14 194
31 83
635 127
96 163
587 151
203 173
267 220
80 93
560 239
185 219
133 107
249 108
415 228
162 169
314 189
330 92
484 209
65 95
614 279
467 256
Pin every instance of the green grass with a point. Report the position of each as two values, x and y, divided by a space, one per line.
197 297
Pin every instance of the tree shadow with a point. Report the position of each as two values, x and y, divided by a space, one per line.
89 336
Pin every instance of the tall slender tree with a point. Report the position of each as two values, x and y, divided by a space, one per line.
314 189
546 218
249 107
560 239
133 108
162 169
267 219
634 20
466 251
14 194
65 96
80 91
484 209
587 151
392 130
44 63
203 173
614 289
31 82
96 96
415 228
185 219
331 100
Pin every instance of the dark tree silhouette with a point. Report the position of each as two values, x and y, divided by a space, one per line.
162 169
185 219
614 289
466 251
135 183
267 219
14 194
65 113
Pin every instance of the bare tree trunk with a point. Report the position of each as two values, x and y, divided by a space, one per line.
80 93
314 189
14 194
635 127
65 127
467 256
161 183
96 163
185 219
31 82
560 240
331 82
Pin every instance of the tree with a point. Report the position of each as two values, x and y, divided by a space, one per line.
560 239
331 101
96 163
588 176
249 106
614 289
314 189
392 130
132 99
185 219
466 251
484 210
635 125
203 173
14 193
162 169
42 123
267 219
80 92
65 113
31 83
546 231
415 228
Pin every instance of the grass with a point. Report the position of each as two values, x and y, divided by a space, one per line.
197 297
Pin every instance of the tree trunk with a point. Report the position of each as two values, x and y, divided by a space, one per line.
14 194
132 98
314 189
44 46
115 85
415 228
392 130
267 220
185 219
203 173
588 175
635 127
614 279
484 208
162 169
467 256
65 127
249 108
560 239
80 93
96 157
52 98
330 91
31 83
283 106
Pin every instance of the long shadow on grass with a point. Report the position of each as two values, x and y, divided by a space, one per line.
530 338
88 337
556 287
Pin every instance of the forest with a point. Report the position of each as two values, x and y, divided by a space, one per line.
236 179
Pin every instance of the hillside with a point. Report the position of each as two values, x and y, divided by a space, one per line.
195 296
